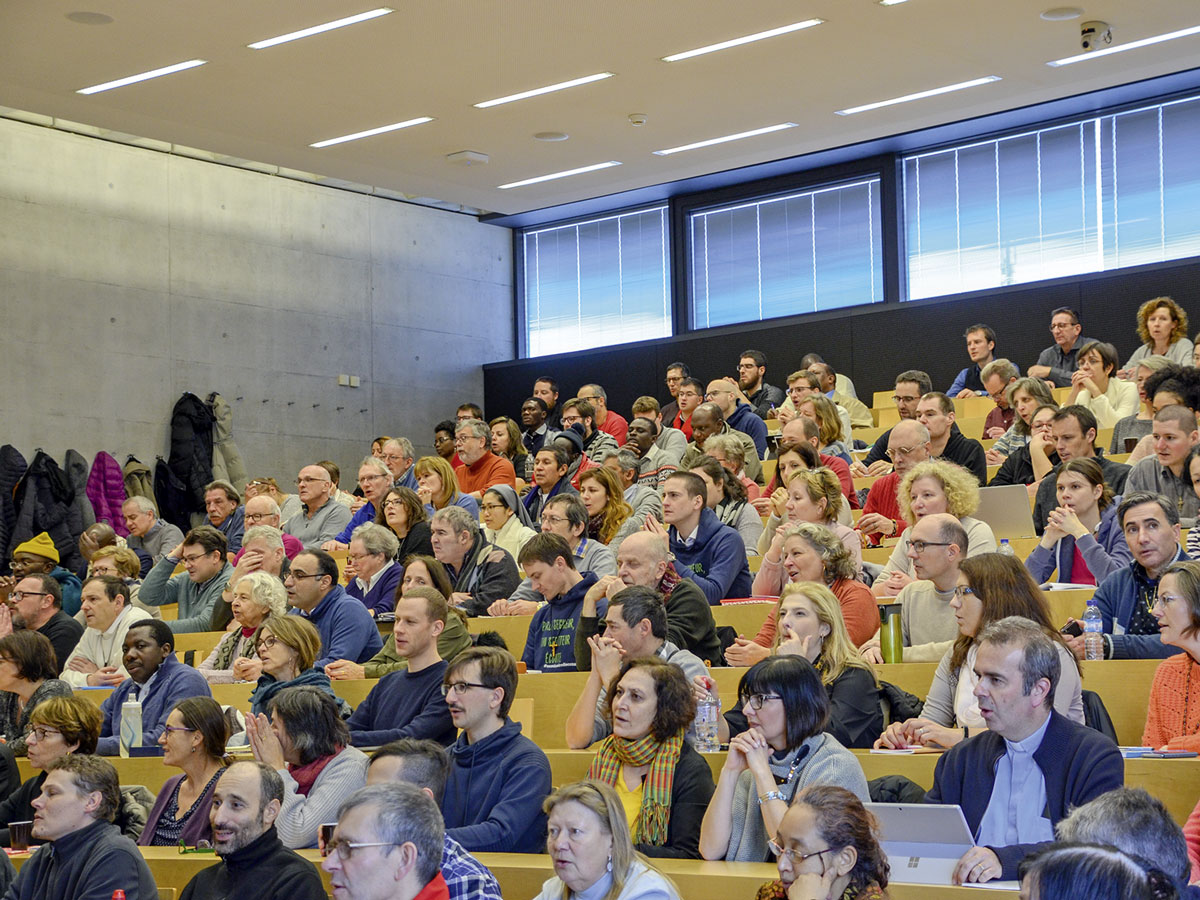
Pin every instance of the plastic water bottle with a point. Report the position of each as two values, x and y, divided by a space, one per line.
1005 548
131 725
708 712
1093 632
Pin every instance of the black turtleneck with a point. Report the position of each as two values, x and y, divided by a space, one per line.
264 869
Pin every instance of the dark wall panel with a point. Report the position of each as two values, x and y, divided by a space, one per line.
870 344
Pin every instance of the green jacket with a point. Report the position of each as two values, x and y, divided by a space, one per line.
453 640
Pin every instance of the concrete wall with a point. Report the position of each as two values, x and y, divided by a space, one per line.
129 276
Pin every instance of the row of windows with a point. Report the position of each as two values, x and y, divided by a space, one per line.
1093 195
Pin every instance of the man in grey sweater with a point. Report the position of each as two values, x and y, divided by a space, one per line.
196 591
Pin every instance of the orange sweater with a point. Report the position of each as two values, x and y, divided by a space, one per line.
489 469
1173 714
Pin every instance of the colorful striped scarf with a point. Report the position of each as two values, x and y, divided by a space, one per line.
655 813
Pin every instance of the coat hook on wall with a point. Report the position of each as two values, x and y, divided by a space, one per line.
291 403
340 408
266 400
362 410
239 399
315 405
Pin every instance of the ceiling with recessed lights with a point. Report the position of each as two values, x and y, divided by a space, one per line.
437 59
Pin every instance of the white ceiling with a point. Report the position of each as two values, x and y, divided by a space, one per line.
438 57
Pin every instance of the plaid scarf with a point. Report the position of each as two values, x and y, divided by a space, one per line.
229 645
669 581
655 813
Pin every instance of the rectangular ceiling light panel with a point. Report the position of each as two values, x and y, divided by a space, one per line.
321 29
143 76
553 175
371 132
548 89
747 39
920 95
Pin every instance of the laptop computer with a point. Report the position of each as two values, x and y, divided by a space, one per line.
925 841
1006 510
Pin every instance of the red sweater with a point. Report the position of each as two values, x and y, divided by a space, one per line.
860 609
883 500
615 424
489 469
1173 714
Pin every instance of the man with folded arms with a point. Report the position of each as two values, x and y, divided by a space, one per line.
98 660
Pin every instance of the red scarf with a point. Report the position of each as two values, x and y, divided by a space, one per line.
306 775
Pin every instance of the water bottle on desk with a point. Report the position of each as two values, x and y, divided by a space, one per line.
1006 548
708 713
131 725
1093 632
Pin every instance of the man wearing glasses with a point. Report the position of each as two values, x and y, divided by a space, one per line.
254 862
375 478
911 386
595 442
346 628
1056 364
908 444
606 420
481 468
397 454
388 843
322 518
199 588
676 373
35 604
687 398
408 703
498 777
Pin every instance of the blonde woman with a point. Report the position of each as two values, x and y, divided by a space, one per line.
256 596
438 488
814 495
932 487
822 410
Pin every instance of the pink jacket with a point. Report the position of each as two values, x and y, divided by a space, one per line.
106 491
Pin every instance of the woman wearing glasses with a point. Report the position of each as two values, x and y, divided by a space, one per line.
28 675
990 587
588 842
57 727
257 596
287 648
664 785
403 512
784 750
194 741
505 520
1171 717
828 849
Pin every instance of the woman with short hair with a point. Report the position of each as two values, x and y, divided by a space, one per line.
663 783
308 743
1092 872
438 487
1162 327
372 573
587 838
1095 384
1172 717
256 597
827 847
28 675
1024 396
785 749
1139 424
194 741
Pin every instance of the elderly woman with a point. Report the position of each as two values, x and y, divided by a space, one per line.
289 504
727 499
57 727
505 519
729 452
1136 426
28 675
438 488
287 648
588 841
991 587
506 442
811 552
1096 386
256 597
403 512
932 487
1162 328
663 783
194 741
308 744
610 518
1172 721
785 749
1024 396
372 574
827 848
1083 541
814 495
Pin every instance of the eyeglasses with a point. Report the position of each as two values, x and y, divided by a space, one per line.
392 457
922 546
19 596
717 393
39 733
202 846
757 700
555 520
258 517
463 438
367 479
571 420
900 451
1164 600
591 398
688 394
300 576
1059 326
962 590
195 556
266 643
303 481
795 856
170 728
439 439
395 501
897 399
461 687
491 506
345 849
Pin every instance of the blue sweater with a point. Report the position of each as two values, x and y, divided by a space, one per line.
1117 597
365 515
1078 764
716 561
494 793
381 597
346 628
550 644
71 587
747 422
404 705
173 682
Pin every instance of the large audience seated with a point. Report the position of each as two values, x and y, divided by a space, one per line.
610 545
